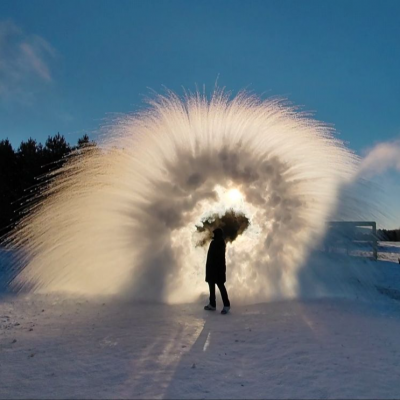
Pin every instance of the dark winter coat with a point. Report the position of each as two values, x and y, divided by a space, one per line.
216 266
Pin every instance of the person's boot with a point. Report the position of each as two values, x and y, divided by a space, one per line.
225 310
209 307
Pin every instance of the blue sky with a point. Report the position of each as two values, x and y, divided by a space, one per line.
65 65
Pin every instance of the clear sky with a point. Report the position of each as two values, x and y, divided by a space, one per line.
65 65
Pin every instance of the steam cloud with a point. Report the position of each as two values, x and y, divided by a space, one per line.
382 157
123 219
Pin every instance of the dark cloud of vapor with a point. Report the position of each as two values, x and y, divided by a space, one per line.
190 179
233 223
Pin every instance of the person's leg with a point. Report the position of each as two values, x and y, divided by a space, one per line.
224 294
213 302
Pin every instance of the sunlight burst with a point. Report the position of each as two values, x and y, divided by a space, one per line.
234 195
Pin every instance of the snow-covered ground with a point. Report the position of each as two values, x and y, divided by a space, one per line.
389 251
53 347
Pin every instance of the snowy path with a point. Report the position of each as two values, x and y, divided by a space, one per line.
332 348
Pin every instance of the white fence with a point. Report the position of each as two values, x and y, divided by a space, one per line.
349 234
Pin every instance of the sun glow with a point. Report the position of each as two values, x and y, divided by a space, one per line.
234 195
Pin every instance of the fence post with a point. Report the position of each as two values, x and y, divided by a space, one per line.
375 241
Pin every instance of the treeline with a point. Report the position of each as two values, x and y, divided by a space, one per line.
388 235
23 169
383 235
353 233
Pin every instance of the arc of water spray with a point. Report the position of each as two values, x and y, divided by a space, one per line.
121 219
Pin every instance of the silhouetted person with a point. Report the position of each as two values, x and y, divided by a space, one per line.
216 271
